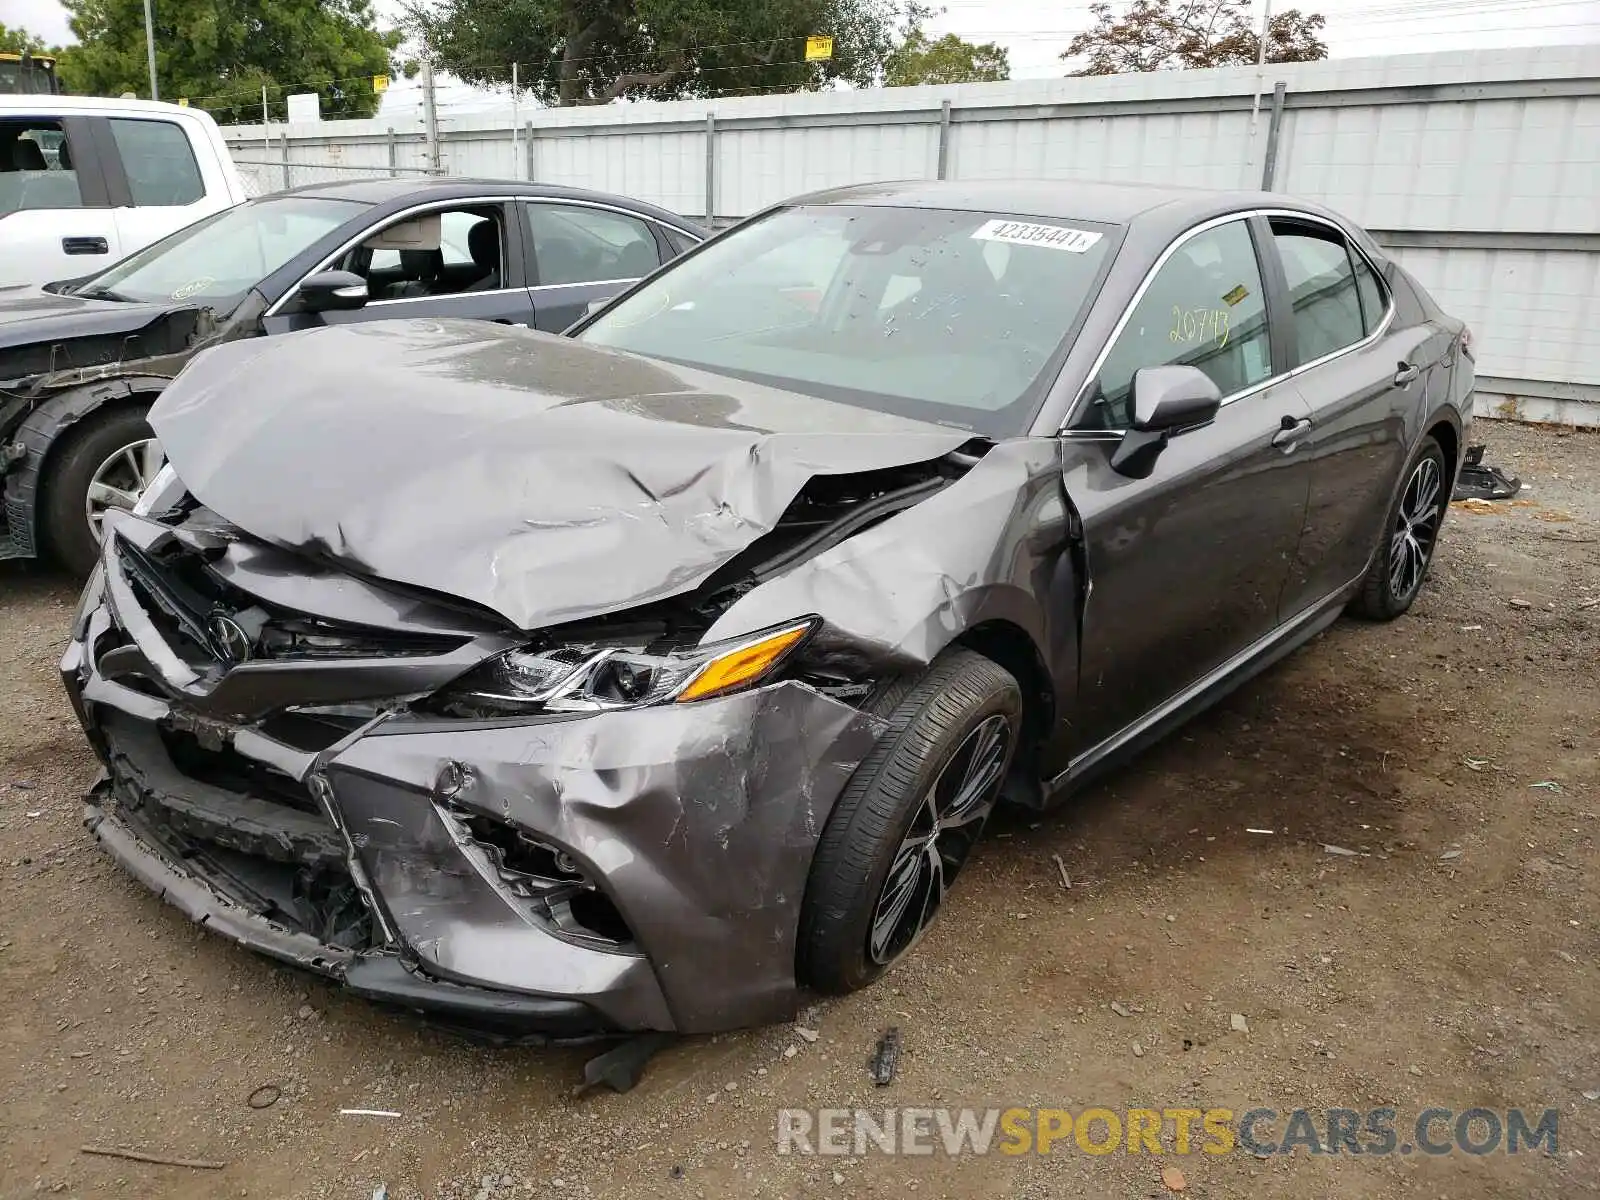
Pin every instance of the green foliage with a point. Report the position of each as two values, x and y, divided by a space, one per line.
594 51
221 53
20 41
950 59
1160 35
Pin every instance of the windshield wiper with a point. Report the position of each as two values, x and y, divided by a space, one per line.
101 293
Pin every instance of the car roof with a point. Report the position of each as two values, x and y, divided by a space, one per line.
44 106
398 192
1060 199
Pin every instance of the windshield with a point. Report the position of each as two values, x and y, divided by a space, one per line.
214 262
942 315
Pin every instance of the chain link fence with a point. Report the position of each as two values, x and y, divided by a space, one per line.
262 176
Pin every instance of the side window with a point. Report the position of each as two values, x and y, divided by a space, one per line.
1204 308
1373 301
455 239
678 240
1322 288
587 245
159 163
438 253
36 170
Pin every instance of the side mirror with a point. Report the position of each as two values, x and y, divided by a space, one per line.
1171 398
329 291
1166 401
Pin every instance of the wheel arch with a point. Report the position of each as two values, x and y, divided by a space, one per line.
1008 645
1447 433
46 429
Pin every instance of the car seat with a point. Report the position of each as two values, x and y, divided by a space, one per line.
483 243
422 269
637 260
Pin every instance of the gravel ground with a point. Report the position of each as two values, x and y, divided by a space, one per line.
1405 974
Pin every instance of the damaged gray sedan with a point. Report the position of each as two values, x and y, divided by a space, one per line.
640 679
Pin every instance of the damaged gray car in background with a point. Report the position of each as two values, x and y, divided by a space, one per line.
641 679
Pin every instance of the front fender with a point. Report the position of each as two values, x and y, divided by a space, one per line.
993 548
40 433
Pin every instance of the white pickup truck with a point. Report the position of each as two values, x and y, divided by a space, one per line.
85 181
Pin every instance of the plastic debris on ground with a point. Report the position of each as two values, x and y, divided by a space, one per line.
1480 482
886 1058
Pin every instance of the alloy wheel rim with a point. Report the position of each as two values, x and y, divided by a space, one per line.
118 481
943 830
1415 529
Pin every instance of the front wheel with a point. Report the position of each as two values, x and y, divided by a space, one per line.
908 819
1410 535
108 458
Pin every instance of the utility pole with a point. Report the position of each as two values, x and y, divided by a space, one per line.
516 126
150 50
1255 100
266 123
430 115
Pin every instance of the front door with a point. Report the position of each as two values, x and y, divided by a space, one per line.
466 260
56 220
1187 564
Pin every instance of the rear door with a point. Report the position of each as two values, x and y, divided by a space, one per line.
1360 372
582 252
1186 564
56 218
163 175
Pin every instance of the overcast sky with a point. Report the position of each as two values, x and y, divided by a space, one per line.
1036 34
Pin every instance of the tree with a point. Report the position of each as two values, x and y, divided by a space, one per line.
20 41
595 51
949 59
221 53
1161 35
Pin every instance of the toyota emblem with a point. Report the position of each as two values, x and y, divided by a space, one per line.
229 640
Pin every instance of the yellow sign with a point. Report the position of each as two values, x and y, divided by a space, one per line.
183 102
819 48
380 84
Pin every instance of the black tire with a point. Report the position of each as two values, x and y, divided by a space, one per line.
933 719
1390 588
67 535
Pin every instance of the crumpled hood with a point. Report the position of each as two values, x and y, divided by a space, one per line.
30 315
542 478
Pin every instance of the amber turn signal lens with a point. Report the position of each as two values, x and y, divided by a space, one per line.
742 665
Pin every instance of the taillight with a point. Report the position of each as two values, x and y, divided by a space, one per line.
1466 343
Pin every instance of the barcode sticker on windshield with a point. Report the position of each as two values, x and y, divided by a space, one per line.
1023 233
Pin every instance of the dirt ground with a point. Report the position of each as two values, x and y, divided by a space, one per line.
1406 974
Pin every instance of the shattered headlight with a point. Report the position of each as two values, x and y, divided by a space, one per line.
94 591
585 677
161 493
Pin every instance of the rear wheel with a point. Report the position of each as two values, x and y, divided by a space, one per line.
106 461
1410 535
908 819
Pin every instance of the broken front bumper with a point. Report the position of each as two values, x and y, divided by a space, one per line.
409 857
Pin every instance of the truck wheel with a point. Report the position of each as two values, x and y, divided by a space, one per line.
105 462
907 820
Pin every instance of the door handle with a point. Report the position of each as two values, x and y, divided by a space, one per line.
1405 374
85 245
1290 429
